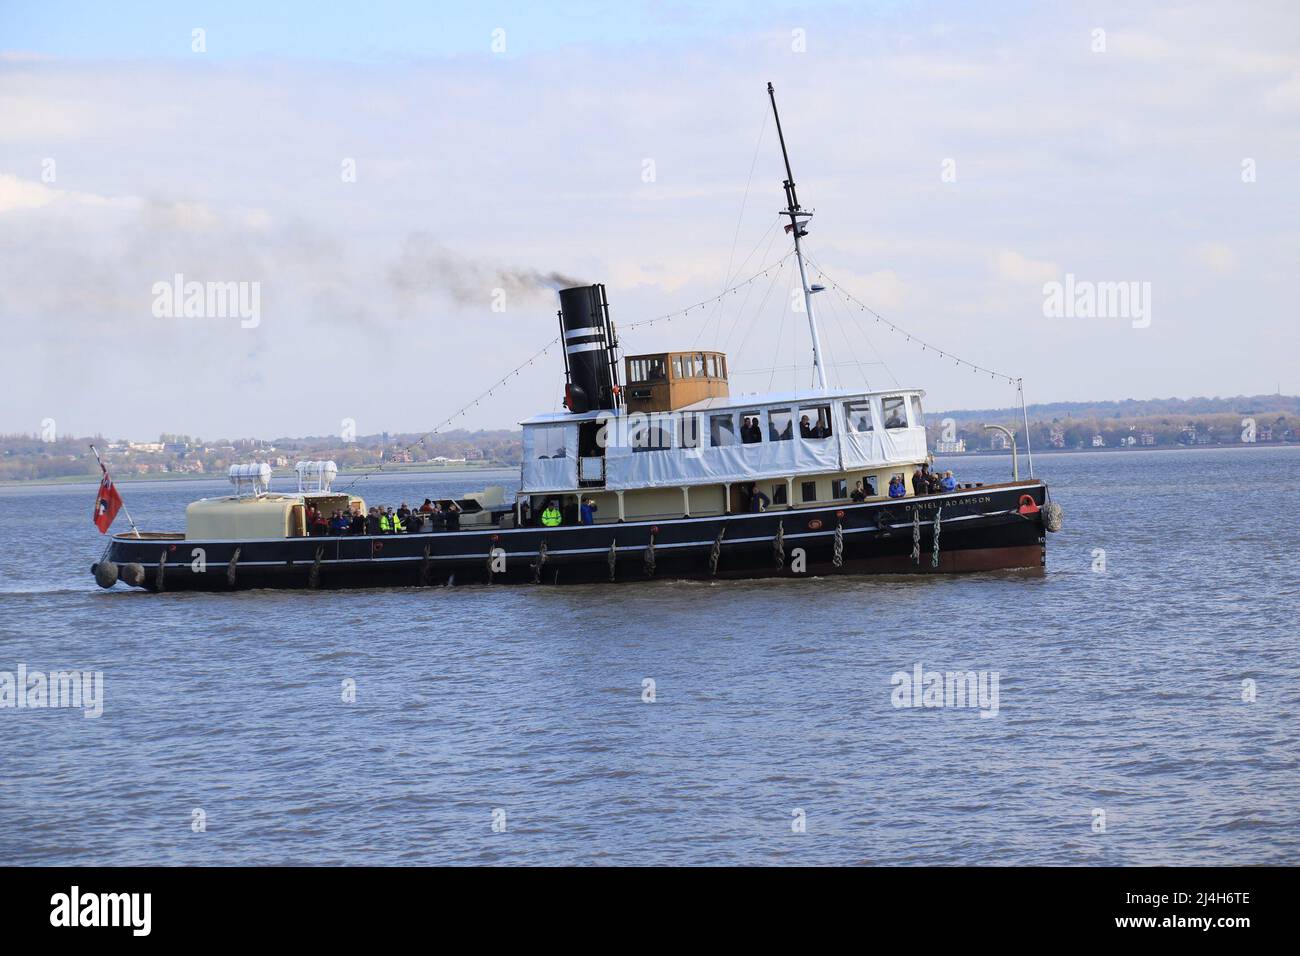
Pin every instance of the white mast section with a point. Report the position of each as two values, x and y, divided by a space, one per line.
798 219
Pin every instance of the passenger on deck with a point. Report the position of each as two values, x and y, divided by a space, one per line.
319 526
805 427
921 480
403 512
948 483
934 481
859 493
358 522
551 516
452 512
373 524
757 500
428 506
897 487
750 433
339 524
394 522
587 511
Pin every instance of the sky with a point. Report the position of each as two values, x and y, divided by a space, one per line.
404 185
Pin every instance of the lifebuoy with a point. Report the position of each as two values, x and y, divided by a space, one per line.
1028 505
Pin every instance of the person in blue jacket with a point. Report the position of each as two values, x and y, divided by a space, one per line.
897 488
587 511
948 482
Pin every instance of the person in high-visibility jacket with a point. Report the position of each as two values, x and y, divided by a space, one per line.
395 522
385 523
551 516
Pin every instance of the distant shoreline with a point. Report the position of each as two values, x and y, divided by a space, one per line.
432 471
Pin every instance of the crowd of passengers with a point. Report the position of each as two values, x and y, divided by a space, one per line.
430 516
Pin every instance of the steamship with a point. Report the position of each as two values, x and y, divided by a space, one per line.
687 482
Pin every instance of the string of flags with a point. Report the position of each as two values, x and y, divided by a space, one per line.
925 346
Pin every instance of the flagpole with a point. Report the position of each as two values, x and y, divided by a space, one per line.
124 508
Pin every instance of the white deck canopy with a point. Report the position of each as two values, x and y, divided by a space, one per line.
702 443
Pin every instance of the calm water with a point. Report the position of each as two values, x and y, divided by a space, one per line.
1118 691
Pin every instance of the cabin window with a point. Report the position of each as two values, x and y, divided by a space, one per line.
869 485
722 431
839 488
780 494
699 365
636 370
651 434
751 431
654 369
917 418
893 412
780 424
677 367
815 422
548 441
858 415
712 364
689 431
808 490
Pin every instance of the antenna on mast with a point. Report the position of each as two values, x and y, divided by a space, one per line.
798 221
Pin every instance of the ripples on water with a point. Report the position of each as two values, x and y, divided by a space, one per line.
1119 691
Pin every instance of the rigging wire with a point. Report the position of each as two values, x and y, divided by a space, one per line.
942 353
668 317
727 274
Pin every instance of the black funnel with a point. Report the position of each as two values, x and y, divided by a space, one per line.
588 340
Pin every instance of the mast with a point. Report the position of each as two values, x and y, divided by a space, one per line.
798 219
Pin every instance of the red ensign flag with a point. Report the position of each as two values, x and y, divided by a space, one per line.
107 504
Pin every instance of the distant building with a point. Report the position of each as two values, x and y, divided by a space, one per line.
1266 433
955 447
1147 437
1057 437
1098 441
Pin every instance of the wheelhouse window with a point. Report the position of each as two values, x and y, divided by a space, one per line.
780 424
751 432
654 370
722 431
808 490
815 422
893 412
917 417
839 488
858 415
677 367
712 365
698 361
548 441
780 494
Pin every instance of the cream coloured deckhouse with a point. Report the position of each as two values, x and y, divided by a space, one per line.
810 447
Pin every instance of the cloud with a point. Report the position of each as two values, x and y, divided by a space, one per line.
1011 266
523 173
1218 257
